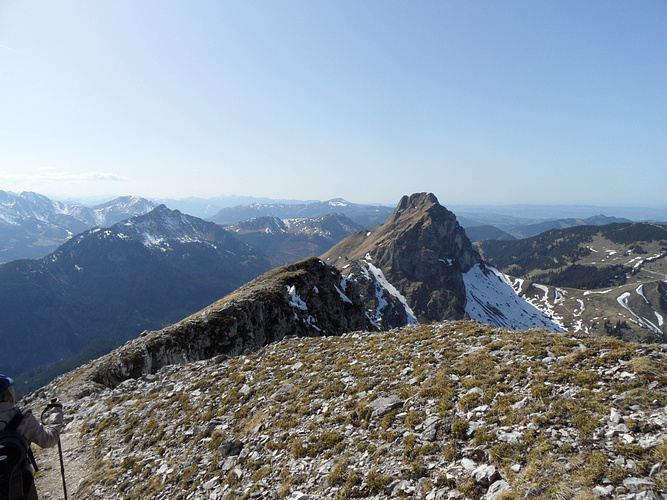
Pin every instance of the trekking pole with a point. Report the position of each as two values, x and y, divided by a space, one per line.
62 467
55 404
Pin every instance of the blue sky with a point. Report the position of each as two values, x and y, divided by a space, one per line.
496 102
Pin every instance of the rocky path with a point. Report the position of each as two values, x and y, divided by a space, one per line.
78 461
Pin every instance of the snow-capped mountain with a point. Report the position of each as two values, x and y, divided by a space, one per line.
106 285
32 225
120 209
367 216
419 266
289 240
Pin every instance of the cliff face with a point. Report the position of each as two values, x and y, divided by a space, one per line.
422 252
306 299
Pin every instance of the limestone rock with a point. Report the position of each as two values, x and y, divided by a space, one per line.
382 406
638 484
421 252
306 299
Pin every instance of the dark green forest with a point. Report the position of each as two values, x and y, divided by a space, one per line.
557 254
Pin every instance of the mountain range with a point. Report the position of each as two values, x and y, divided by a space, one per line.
289 240
104 286
284 388
436 275
365 215
32 225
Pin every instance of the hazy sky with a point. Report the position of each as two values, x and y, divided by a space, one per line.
479 102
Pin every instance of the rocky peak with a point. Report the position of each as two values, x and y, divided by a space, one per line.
421 251
419 202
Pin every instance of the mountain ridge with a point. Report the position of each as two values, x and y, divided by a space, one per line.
365 215
113 283
304 299
32 225
289 240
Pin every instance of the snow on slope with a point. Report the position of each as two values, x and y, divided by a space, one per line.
491 298
386 296
623 301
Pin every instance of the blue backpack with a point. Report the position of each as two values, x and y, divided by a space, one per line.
15 478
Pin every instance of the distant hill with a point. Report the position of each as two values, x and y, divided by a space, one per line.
32 225
368 216
208 207
289 240
107 285
481 233
522 214
586 257
526 231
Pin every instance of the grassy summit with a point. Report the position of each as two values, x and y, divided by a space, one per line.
475 413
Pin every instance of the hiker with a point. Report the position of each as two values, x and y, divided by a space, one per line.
29 428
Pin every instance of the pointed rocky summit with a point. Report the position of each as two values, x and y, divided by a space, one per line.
411 267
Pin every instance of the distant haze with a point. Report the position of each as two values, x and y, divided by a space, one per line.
549 103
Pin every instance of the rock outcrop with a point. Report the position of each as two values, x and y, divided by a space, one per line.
305 299
420 267
422 252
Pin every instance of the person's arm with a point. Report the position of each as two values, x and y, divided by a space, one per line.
46 435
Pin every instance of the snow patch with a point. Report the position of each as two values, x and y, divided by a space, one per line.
491 298
640 291
343 297
379 278
623 301
295 300
589 292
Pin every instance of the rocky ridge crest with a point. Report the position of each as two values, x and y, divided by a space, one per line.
304 299
445 411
